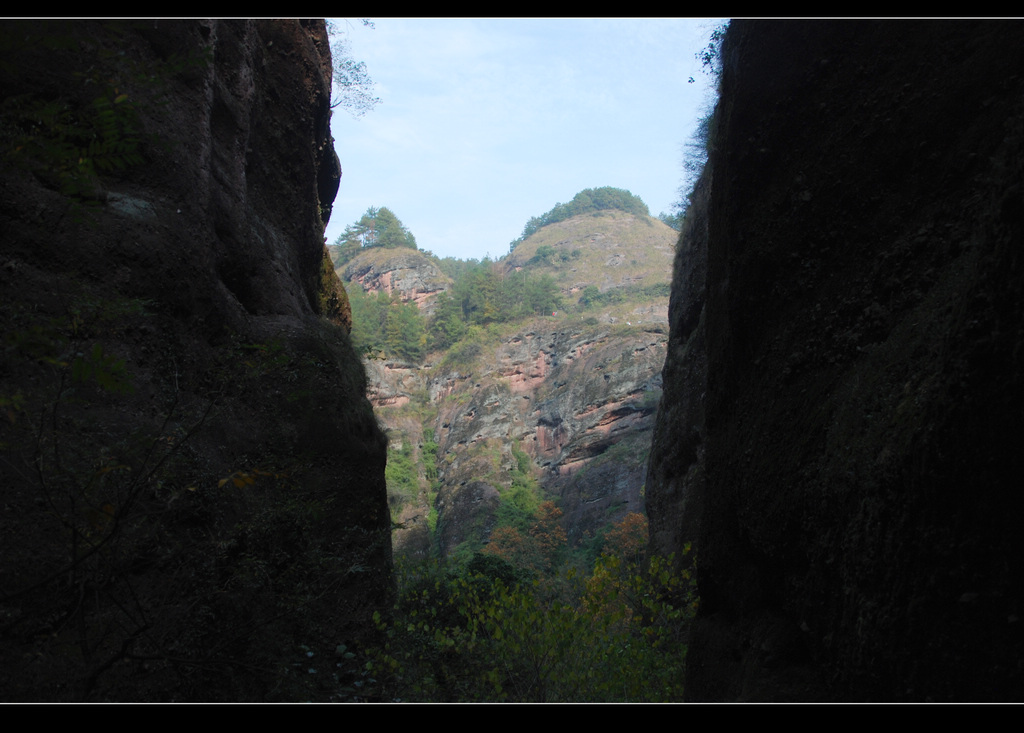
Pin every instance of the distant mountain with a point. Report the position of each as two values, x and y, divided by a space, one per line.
606 249
547 406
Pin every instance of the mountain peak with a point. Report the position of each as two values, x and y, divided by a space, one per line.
607 249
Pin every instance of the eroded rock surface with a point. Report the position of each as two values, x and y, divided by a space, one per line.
573 401
407 274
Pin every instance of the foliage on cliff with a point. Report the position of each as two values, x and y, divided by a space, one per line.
545 280
486 294
385 325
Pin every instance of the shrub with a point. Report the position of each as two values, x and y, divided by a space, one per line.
483 635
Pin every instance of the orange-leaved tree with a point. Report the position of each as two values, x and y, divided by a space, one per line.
539 550
628 539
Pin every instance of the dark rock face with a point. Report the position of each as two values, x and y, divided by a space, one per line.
193 478
863 314
676 466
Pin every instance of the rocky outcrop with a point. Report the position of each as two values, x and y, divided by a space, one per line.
859 340
393 383
406 273
193 478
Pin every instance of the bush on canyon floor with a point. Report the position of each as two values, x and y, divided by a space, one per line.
485 634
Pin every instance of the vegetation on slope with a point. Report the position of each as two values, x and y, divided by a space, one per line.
383 324
608 249
575 265
585 202
521 618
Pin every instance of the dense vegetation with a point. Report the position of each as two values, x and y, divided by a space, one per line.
482 295
530 628
383 324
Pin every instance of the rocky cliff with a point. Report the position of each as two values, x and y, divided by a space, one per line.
579 402
193 478
408 274
843 388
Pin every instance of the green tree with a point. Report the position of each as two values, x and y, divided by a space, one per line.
378 227
345 247
674 220
390 232
542 295
448 325
367 321
402 480
589 295
404 333
476 293
482 634
382 323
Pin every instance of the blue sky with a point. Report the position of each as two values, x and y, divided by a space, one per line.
484 123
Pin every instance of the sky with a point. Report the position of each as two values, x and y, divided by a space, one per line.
484 123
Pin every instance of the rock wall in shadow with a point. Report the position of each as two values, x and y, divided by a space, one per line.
193 479
863 314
